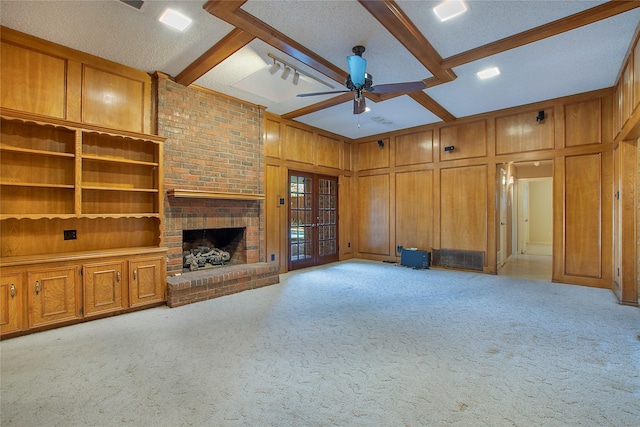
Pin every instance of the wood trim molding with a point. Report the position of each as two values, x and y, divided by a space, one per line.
331 102
586 17
230 44
400 26
197 194
230 12
427 102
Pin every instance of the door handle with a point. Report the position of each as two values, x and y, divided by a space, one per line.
117 277
37 287
135 274
13 291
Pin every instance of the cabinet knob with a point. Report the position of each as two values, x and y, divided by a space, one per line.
13 291
37 287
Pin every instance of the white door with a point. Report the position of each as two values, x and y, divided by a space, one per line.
523 215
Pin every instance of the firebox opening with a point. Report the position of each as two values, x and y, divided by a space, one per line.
213 247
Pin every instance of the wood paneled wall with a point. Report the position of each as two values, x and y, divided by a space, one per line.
289 146
626 131
44 78
412 193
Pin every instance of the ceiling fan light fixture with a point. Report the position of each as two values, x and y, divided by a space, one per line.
286 73
449 9
175 19
357 67
488 73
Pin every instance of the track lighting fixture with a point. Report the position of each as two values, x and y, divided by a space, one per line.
279 63
275 67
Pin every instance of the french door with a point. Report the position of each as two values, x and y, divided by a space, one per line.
313 219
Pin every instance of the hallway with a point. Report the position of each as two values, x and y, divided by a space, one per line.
536 267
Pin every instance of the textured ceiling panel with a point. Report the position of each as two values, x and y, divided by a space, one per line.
584 59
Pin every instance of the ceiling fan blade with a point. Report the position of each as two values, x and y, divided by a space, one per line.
359 105
302 95
399 87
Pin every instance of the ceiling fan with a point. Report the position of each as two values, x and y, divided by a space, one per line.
359 81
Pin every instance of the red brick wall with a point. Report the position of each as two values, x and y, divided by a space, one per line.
214 143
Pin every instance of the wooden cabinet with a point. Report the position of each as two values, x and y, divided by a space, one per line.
81 213
39 292
146 284
11 296
103 287
53 295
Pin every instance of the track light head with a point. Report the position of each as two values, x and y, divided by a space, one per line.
274 68
286 73
296 77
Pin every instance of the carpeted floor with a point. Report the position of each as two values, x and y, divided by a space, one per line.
356 343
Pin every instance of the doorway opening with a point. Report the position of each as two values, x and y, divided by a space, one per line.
313 219
525 226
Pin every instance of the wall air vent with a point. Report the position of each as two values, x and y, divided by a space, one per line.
134 3
454 258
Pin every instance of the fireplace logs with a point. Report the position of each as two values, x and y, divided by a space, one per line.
204 257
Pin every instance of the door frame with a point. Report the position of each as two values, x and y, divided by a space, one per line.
315 226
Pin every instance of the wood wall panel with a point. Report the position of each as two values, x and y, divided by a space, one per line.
463 208
414 209
627 88
299 145
372 156
328 151
469 140
415 148
636 75
345 215
521 132
583 204
373 218
583 123
32 81
16 236
272 138
347 156
276 215
112 100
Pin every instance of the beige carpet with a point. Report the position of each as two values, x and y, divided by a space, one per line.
356 343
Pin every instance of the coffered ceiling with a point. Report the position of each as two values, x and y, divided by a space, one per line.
544 49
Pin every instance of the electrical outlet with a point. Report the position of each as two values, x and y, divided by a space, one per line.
70 235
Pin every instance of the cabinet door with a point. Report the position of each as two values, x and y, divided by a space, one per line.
53 295
11 302
103 286
146 281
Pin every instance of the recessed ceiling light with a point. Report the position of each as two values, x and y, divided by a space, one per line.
449 9
488 73
175 19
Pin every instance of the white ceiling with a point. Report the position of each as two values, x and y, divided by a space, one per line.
584 59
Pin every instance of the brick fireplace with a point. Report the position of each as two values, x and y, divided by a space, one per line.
197 215
214 179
